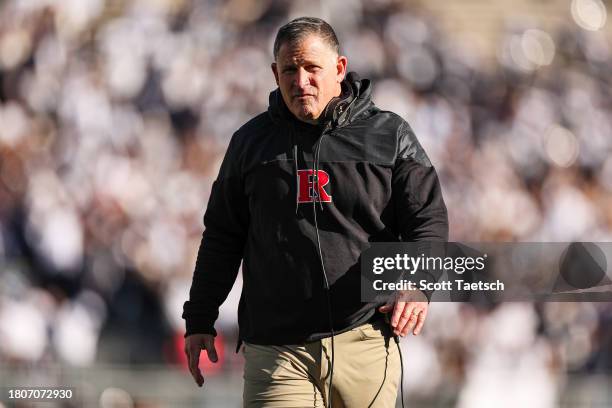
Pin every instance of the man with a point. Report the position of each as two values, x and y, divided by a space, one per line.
303 190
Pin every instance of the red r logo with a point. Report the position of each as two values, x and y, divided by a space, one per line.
306 184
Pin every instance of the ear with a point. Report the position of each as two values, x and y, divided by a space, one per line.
275 71
341 64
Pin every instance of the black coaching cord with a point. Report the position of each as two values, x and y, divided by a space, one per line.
399 349
329 314
317 197
326 281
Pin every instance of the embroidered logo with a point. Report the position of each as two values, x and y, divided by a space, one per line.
307 191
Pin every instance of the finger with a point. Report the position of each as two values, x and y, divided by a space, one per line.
195 370
209 345
420 323
397 313
404 319
386 308
194 360
406 316
412 321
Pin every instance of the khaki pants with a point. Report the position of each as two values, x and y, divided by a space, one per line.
366 371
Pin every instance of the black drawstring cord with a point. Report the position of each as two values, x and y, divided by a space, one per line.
315 172
317 164
297 178
295 167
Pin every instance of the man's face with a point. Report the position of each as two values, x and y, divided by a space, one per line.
309 75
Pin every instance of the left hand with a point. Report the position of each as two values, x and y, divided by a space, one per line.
409 312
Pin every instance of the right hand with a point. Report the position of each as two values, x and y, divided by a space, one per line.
193 345
409 312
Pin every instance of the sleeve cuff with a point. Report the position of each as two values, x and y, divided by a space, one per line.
195 326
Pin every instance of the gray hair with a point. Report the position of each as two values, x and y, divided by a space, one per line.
296 30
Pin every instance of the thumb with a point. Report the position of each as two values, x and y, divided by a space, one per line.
386 308
209 345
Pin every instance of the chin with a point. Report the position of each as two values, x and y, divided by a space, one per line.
305 115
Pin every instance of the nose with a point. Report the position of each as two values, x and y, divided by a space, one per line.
302 79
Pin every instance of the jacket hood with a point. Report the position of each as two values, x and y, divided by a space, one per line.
354 99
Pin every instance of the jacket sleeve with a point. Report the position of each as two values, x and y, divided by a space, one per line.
221 249
419 207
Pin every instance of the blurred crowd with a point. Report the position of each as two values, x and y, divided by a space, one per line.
115 115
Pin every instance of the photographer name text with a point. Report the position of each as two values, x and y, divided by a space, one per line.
426 285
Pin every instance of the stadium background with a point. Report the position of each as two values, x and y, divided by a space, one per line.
114 116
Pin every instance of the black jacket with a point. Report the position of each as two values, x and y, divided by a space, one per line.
377 185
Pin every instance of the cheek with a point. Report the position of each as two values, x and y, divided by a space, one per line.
285 81
319 90
285 84
285 90
325 85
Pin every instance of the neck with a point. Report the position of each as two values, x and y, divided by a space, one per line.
310 121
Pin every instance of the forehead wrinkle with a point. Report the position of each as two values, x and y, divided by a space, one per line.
299 57
297 54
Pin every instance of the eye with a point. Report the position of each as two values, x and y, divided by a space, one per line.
288 70
313 68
